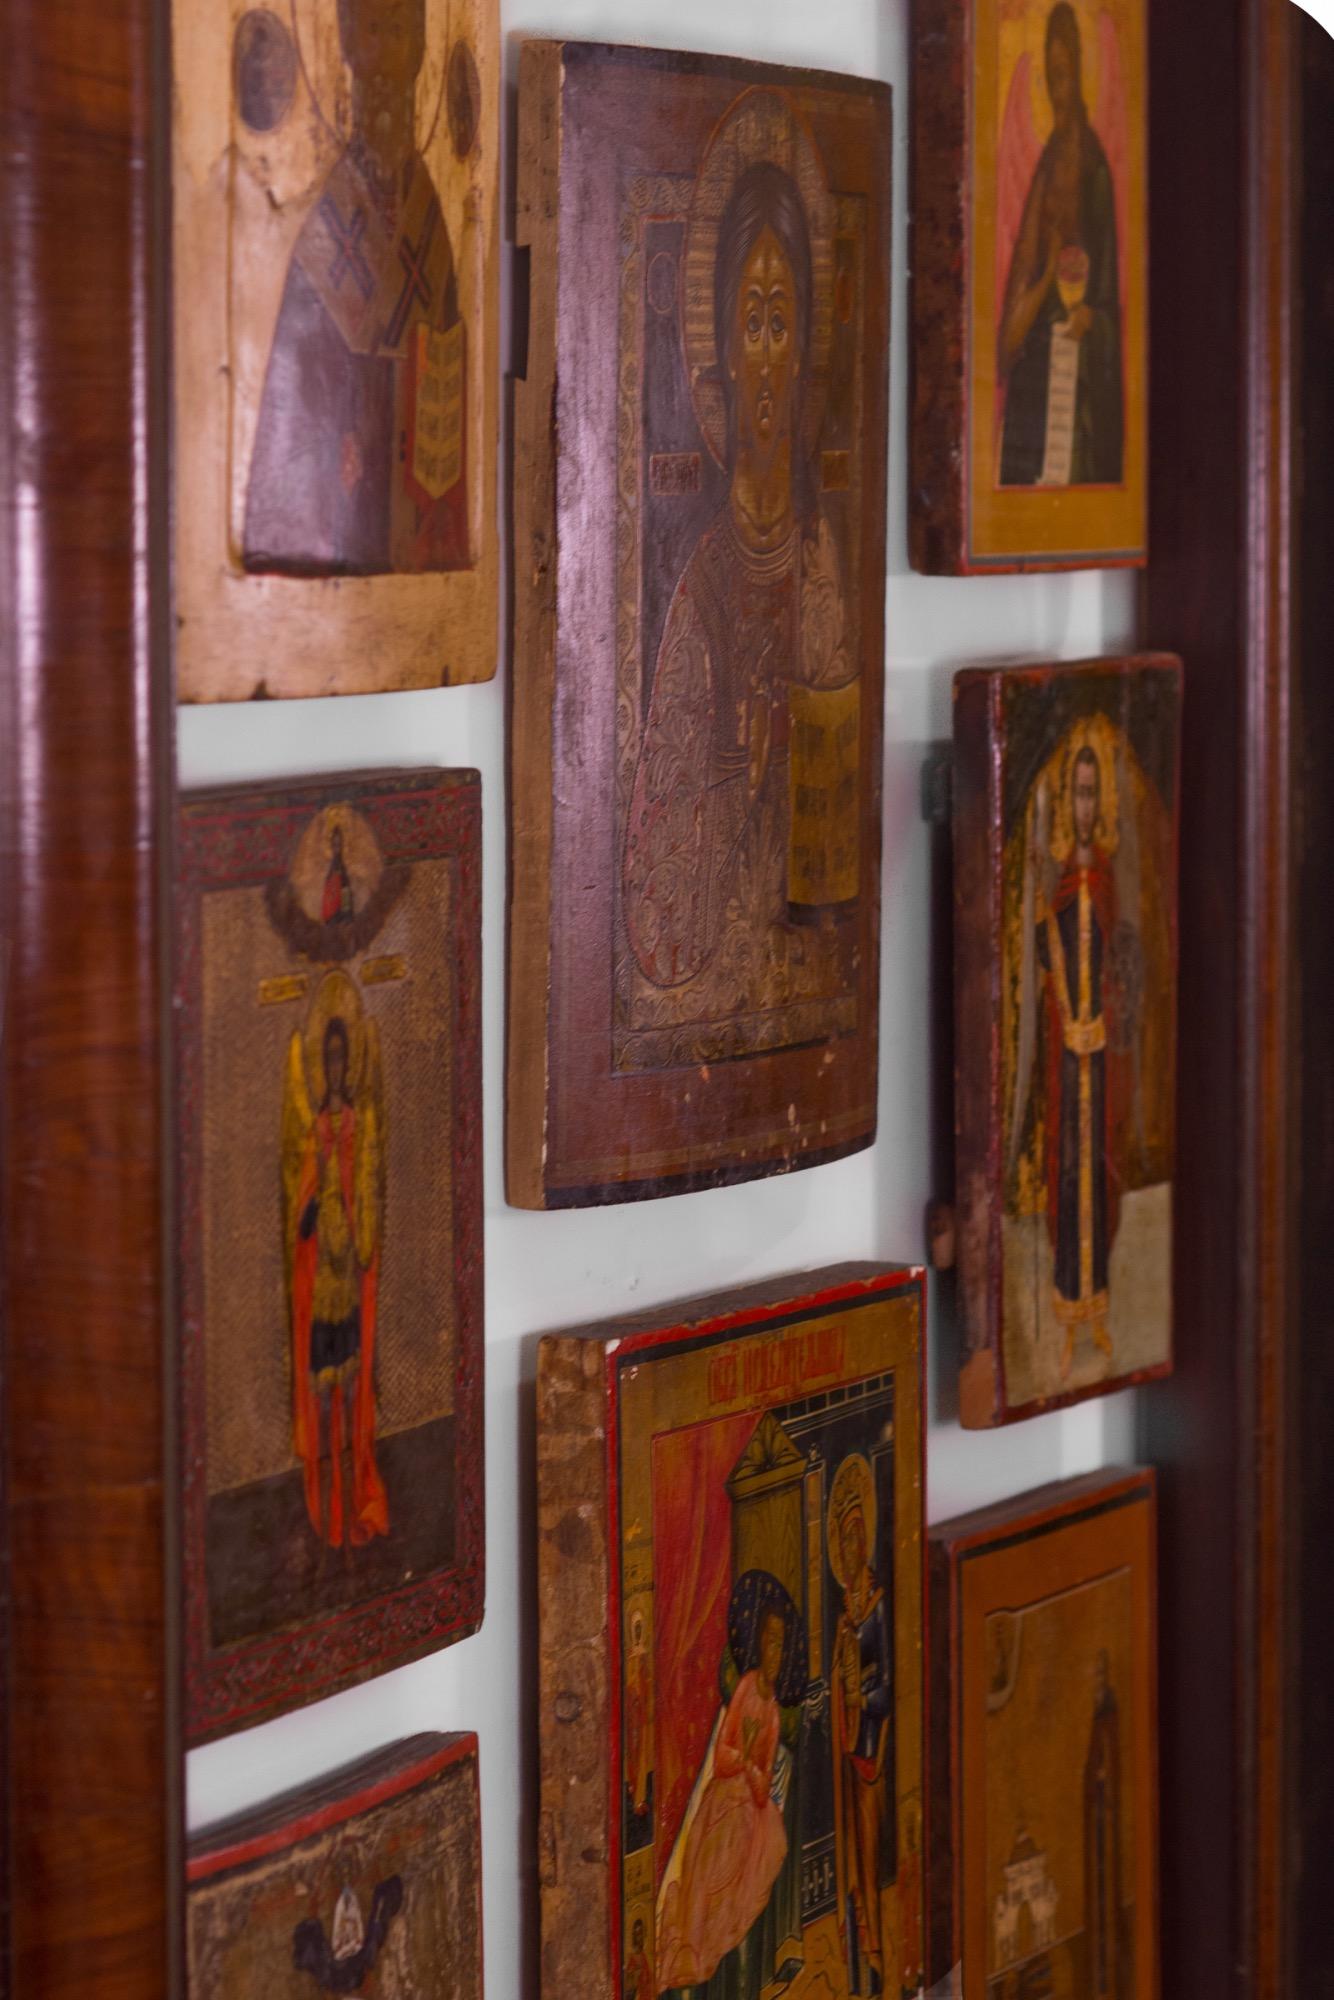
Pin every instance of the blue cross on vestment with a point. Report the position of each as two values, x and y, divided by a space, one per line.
347 233
416 284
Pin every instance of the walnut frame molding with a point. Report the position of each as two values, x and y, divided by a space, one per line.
93 1763
1217 592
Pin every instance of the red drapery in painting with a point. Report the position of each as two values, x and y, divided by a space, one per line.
692 1572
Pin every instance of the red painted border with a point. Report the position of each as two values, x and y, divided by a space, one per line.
244 837
394 1783
855 1291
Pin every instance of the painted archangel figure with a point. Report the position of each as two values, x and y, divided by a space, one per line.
333 1228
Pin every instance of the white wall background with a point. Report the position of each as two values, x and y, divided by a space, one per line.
547 1271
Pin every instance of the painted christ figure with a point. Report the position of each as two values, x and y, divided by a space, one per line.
861 1691
1074 937
1108 1969
758 610
1064 287
358 463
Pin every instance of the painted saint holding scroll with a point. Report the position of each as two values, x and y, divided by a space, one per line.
1059 347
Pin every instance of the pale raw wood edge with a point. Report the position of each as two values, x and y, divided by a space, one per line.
574 1705
309 638
533 659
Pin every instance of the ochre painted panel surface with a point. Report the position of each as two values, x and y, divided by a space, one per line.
1043 1791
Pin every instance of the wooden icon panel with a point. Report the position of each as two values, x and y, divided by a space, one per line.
1029 440
1043 1791
329 1001
1065 915
699 622
730 1580
368 1881
335 257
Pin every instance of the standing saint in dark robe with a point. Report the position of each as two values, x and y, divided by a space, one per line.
1074 940
358 463
1066 241
1108 1964
861 1686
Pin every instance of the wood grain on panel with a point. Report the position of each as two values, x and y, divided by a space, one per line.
92 1750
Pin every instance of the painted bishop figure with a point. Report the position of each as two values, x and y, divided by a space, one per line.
359 462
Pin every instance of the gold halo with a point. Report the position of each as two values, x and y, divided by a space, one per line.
1098 734
336 994
761 124
853 1487
314 853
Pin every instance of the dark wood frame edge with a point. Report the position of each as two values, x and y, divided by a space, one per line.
93 1765
1217 591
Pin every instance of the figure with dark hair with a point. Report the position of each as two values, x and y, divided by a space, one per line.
358 464
332 1177
729 1903
758 613
1063 288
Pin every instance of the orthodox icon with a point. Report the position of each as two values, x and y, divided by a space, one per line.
1029 403
339 213
368 1882
1066 935
331 1252
762 1793
729 725
1044 1735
